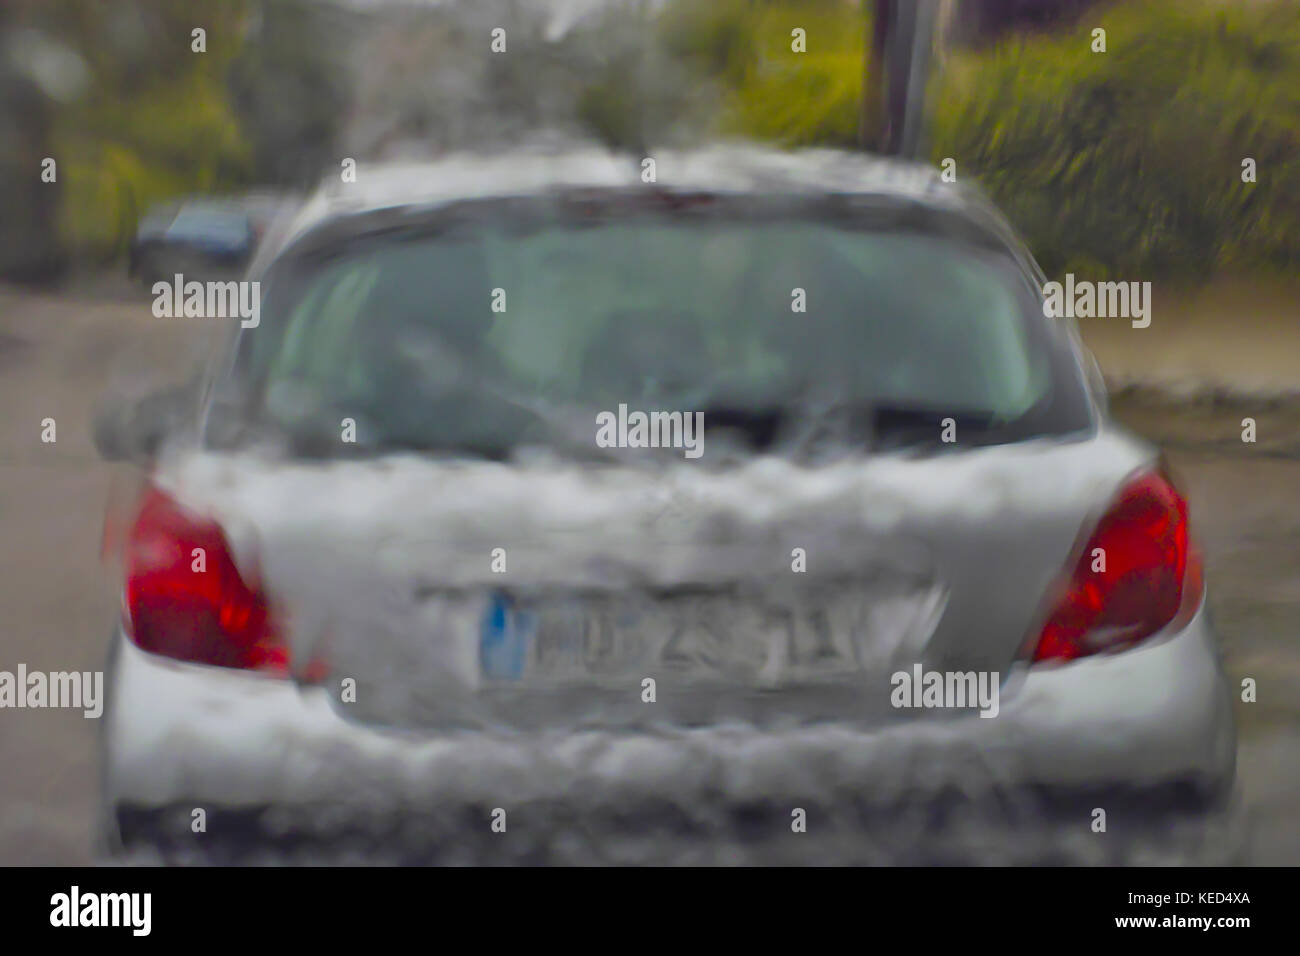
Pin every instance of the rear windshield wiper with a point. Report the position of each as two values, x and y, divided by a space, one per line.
896 425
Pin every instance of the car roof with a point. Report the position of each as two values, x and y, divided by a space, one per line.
723 168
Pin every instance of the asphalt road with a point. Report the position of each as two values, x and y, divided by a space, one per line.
59 354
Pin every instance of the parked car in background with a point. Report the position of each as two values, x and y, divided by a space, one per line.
201 237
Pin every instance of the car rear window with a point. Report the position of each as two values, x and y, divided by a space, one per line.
557 311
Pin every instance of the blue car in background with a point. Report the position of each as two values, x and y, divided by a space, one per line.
202 238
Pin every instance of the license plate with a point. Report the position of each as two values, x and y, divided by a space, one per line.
707 637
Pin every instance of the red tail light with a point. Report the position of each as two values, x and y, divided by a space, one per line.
189 604
1146 575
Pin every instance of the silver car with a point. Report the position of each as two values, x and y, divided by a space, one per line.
734 506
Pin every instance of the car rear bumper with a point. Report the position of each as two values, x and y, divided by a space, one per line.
1144 735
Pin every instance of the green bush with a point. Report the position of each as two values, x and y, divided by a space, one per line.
172 140
768 92
154 120
1130 161
1122 162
